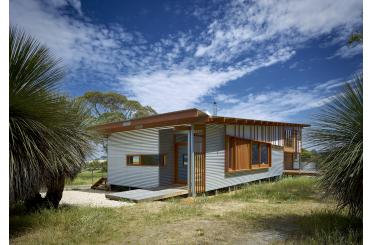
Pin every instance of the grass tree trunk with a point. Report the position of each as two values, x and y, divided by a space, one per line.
55 190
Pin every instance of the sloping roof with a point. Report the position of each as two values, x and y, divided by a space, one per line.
189 116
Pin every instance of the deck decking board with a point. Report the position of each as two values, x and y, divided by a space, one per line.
142 195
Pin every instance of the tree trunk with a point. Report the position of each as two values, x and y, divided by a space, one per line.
55 190
35 202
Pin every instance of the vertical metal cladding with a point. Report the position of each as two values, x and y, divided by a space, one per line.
270 134
142 141
215 158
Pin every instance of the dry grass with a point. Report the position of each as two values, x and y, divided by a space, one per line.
230 218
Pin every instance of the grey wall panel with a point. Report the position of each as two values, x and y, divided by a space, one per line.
182 169
166 146
215 162
143 141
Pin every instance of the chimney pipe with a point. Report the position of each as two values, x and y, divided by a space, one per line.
214 108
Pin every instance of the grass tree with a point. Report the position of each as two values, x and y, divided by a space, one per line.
48 137
338 132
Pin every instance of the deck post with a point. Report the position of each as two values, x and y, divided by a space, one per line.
192 161
188 165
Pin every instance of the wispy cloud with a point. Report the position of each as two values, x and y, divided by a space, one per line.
347 51
279 104
293 65
181 87
178 70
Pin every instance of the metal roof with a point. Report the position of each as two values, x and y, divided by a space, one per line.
189 116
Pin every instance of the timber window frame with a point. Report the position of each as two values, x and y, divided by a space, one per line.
139 160
240 155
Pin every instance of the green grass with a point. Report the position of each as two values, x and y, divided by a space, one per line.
289 211
285 190
85 177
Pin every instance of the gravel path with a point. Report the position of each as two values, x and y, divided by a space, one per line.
90 197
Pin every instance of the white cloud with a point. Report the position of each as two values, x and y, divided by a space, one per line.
248 26
331 84
75 4
79 44
278 105
181 88
178 70
226 98
293 65
348 51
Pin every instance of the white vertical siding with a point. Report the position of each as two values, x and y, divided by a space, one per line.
271 134
215 160
143 141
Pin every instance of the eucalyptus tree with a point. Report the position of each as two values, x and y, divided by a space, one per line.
112 107
48 133
107 107
338 133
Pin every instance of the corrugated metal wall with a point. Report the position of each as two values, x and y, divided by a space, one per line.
166 146
160 141
142 141
215 162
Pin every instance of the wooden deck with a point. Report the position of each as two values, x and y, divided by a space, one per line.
143 195
301 172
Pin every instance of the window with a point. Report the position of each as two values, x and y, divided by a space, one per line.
146 160
242 154
261 155
184 159
133 160
255 153
264 153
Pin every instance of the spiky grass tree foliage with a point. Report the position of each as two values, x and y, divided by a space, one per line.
338 132
48 137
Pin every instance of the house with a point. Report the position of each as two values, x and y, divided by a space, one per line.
193 148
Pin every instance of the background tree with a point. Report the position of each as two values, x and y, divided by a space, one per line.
338 133
113 107
309 156
356 37
48 137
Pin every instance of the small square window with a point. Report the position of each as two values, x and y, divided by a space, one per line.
135 160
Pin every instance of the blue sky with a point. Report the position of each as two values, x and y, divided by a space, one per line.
273 60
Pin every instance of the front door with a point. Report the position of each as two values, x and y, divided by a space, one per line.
288 160
181 163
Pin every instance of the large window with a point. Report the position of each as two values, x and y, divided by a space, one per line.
243 154
147 160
